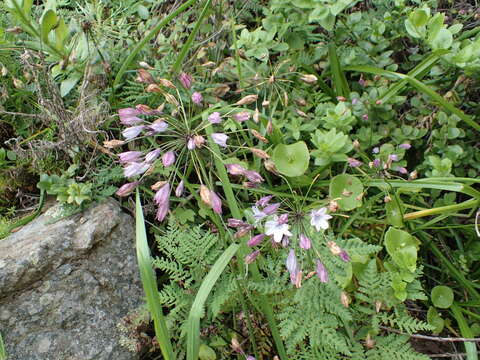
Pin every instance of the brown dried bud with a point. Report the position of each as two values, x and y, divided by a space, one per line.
347 193
309 78
236 346
270 166
269 127
265 103
356 144
17 83
242 232
157 185
285 98
300 102
150 170
27 76
301 113
247 100
369 342
14 30
298 280
377 77
332 206
378 102
153 88
4 71
256 115
221 90
167 83
171 99
208 64
205 195
145 77
259 136
359 197
344 299
110 144
334 248
378 306
413 175
199 140
260 153
387 199
145 65
341 98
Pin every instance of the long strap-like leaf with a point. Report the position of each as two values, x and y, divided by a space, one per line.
193 326
150 284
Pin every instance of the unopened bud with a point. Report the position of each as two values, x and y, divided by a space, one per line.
301 113
145 65
260 153
413 175
157 185
269 127
247 100
378 306
14 30
334 248
4 71
145 77
167 83
332 206
369 342
199 140
259 136
17 83
309 78
110 144
300 102
356 144
341 98
153 88
387 199
265 103
236 346
270 166
347 193
344 299
256 115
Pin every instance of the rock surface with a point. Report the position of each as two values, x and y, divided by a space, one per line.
65 285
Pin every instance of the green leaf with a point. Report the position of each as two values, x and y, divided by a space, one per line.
347 191
49 21
193 323
434 319
206 353
149 282
394 213
291 160
3 352
402 247
61 33
442 296
442 40
68 84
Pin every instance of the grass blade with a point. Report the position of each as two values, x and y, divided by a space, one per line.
149 282
338 76
147 38
188 43
470 347
3 352
193 326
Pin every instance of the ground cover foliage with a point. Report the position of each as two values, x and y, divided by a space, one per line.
306 172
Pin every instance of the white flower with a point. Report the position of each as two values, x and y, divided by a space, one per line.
319 219
277 229
258 215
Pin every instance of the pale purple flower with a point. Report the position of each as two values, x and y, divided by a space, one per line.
253 176
168 158
285 241
291 263
258 214
235 223
393 157
344 256
220 139
242 116
216 202
152 155
365 117
256 240
354 162
319 219
322 272
197 98
134 169
126 189
271 209
215 118
186 80
250 258
162 211
179 189
235 169
128 116
191 144
158 126
264 200
405 146
304 242
401 170
132 132
250 357
275 228
130 156
376 150
283 219
162 194
376 163
355 101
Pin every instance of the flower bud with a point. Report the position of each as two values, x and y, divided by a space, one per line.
259 136
235 169
344 256
309 78
167 83
260 153
132 132
321 271
197 98
205 195
220 139
199 140
253 176
334 248
215 118
247 100
250 258
152 155
271 209
235 223
191 144
256 240
264 200
405 146
126 189
145 77
186 80
130 156
269 127
354 162
134 169
256 115
242 116
304 242
344 299
216 203
110 144
179 189
168 158
270 166
158 185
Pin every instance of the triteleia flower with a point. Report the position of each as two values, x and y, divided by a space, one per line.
242 116
277 229
186 80
319 219
291 263
152 155
158 126
235 223
250 258
271 208
250 357
129 116
130 156
179 189
377 163
199 140
321 272
235 169
253 176
215 118
197 98
191 144
162 199
405 146
376 150
134 169
258 214
168 158
216 202
344 256
264 200
126 189
220 139
304 242
132 132
393 157
354 162
256 240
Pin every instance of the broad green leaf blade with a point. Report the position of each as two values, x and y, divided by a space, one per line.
291 160
338 76
442 296
402 247
470 347
61 33
435 320
3 352
149 282
193 326
347 191
49 21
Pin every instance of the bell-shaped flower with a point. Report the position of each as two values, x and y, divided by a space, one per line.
271 208
215 118
220 139
158 126
319 219
191 143
256 240
197 98
152 155
186 80
130 156
321 271
132 132
250 258
216 202
162 199
242 116
304 242
168 158
126 189
180 188
129 116
235 169
264 200
253 176
276 229
134 169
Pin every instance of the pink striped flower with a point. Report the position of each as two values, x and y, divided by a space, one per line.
168 158
220 139
134 169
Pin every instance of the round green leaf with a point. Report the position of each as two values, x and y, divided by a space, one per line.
442 296
347 191
435 320
402 247
206 353
291 160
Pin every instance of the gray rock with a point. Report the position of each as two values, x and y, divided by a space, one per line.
65 285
